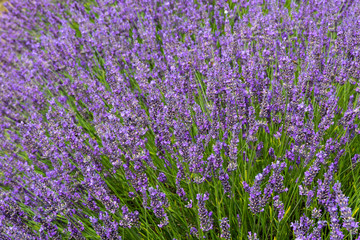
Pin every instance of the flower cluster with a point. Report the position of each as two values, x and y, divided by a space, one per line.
225 228
205 216
158 202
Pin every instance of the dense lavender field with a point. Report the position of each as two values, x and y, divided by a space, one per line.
180 119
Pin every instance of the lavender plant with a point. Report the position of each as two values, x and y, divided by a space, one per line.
179 119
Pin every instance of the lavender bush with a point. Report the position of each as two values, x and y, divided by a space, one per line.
180 119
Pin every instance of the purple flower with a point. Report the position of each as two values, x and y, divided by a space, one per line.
239 220
194 232
206 220
255 194
335 225
257 201
225 228
109 228
129 219
310 194
162 177
355 159
252 236
158 202
224 178
302 228
342 201
316 213
311 173
189 205
279 206
276 180
179 176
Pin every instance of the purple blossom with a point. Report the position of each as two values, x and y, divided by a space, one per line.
252 236
206 220
129 219
302 228
257 201
158 202
225 228
189 205
316 213
279 206
342 201
276 180
224 178
355 159
162 177
194 232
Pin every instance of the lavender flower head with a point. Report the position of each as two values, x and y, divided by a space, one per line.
225 228
206 220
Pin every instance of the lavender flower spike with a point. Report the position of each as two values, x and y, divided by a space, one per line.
206 220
